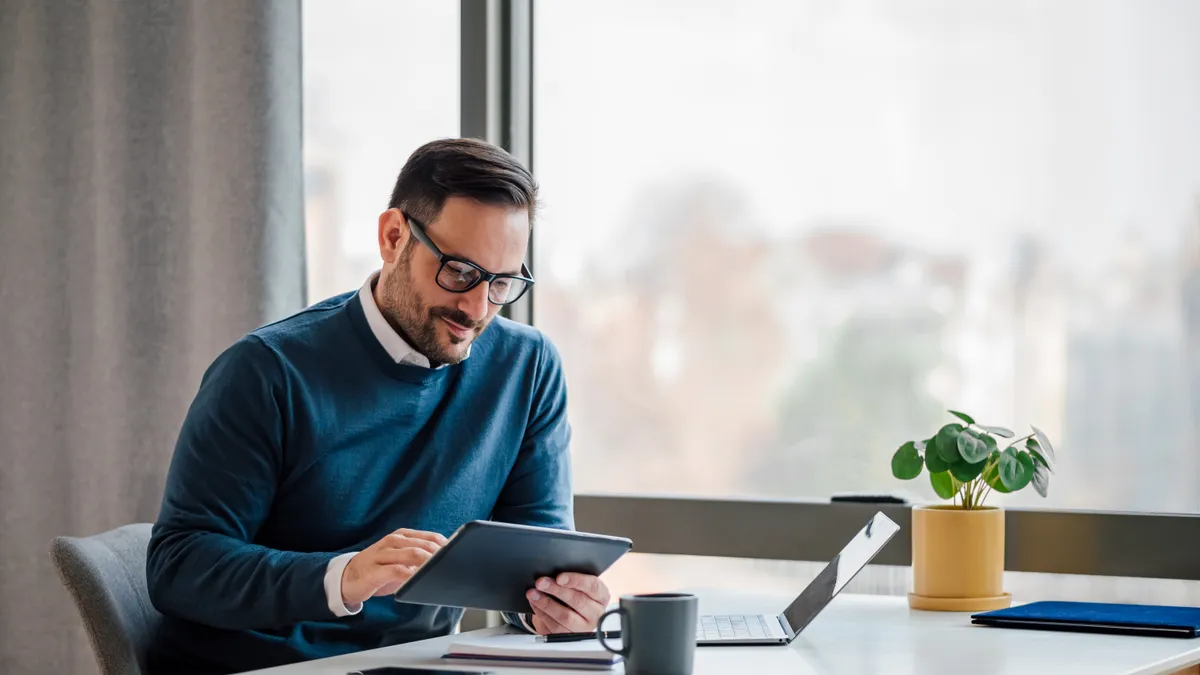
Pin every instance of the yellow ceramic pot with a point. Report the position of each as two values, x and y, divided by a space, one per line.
958 559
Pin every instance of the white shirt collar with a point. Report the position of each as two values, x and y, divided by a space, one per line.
396 346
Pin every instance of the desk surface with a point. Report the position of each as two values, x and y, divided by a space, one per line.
859 634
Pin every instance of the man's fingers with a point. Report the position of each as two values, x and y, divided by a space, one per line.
544 625
566 617
586 584
385 579
422 534
584 604
401 556
539 624
391 578
380 571
399 541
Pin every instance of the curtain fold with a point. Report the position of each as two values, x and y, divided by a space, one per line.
151 211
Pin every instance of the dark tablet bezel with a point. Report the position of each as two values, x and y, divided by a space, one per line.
415 592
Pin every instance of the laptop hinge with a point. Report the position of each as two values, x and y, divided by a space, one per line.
788 633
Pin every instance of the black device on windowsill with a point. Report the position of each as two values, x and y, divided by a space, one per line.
863 498
405 670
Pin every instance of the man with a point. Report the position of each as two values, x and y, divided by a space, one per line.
326 456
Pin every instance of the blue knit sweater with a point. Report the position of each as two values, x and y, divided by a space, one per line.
306 440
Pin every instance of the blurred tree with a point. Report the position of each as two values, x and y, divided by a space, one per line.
848 411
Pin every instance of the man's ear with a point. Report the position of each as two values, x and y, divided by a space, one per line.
393 235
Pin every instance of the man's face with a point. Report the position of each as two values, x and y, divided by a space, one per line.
438 323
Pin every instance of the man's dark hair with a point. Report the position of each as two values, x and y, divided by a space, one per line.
461 167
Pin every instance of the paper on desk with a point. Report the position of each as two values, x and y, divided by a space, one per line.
529 647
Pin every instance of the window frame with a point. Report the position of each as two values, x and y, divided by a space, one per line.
497 105
496 100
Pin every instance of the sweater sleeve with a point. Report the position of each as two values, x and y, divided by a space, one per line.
202 564
538 489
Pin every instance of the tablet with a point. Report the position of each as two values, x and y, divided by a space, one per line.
488 565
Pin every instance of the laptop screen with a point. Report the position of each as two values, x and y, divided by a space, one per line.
856 554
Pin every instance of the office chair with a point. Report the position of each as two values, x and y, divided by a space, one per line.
106 576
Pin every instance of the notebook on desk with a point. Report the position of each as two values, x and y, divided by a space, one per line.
527 650
1097 617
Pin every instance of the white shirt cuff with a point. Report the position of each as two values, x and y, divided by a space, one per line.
333 586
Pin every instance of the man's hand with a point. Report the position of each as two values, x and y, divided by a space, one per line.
585 598
383 568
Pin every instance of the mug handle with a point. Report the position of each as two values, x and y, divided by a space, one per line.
624 651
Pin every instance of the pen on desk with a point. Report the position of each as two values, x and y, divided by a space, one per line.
577 637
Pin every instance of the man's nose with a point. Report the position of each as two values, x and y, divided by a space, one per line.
475 302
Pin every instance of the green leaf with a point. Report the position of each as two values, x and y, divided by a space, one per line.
1010 468
972 448
933 459
1034 449
1029 467
1016 469
943 484
993 477
947 442
1041 479
965 472
990 442
963 416
999 431
994 457
1044 442
906 463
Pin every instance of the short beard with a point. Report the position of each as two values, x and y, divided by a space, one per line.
415 322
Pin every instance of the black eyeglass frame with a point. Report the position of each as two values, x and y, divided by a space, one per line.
418 231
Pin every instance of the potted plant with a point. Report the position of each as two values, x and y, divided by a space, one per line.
958 548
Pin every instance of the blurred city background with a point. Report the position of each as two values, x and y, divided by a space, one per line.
780 239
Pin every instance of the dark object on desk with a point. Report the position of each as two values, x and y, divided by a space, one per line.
1097 617
781 629
488 565
660 633
402 670
868 499
579 637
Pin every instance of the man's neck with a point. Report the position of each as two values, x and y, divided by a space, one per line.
389 316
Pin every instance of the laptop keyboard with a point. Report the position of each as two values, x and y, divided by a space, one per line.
731 627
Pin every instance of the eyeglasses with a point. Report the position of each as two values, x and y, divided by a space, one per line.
459 276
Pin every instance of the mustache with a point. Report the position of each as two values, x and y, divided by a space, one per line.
457 316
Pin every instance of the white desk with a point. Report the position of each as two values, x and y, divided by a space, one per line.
859 634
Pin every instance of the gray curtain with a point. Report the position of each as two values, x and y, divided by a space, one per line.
150 213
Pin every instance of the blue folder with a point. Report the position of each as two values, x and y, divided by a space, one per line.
1096 617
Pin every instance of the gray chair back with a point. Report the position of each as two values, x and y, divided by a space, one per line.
106 576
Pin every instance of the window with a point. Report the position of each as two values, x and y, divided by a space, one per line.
779 239
381 77
651 573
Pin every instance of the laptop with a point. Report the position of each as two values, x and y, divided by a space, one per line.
781 629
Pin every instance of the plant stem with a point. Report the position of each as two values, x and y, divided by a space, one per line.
1018 441
972 493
